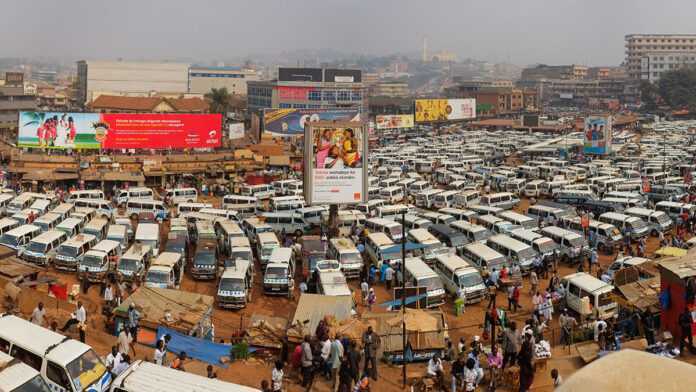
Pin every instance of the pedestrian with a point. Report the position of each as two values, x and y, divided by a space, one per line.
556 377
567 324
38 316
685 322
210 372
277 377
510 345
371 298
533 282
364 290
306 361
354 358
178 362
516 297
346 374
457 373
159 354
510 293
122 365
108 295
133 322
524 359
125 341
371 343
495 364
113 359
388 276
79 317
335 356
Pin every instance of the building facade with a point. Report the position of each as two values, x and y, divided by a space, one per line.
649 55
577 92
121 104
308 88
390 89
566 72
496 101
124 78
13 100
234 79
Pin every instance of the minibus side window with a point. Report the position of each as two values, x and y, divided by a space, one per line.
25 356
4 346
573 289
57 375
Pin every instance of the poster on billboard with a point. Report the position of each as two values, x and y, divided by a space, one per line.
291 122
598 135
335 162
435 110
236 130
394 121
62 130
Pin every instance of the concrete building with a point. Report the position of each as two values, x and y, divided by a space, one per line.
308 88
542 71
125 78
390 89
12 101
120 104
203 79
496 101
577 92
606 73
648 55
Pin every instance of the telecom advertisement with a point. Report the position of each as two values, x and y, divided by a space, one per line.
62 130
394 121
335 163
598 135
439 110
291 122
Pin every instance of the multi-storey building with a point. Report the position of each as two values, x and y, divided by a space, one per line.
649 55
566 72
234 79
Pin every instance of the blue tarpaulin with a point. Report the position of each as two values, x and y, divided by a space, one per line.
200 349
410 246
409 300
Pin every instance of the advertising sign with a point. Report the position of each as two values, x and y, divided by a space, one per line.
291 122
335 163
435 110
62 130
293 93
597 138
395 121
530 120
236 130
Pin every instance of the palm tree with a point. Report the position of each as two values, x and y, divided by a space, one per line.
220 100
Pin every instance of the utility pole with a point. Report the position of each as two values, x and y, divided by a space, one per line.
403 294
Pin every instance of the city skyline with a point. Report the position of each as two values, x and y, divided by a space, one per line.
519 33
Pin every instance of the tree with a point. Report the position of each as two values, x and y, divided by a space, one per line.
678 88
219 99
648 95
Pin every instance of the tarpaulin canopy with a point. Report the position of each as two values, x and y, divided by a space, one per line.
203 350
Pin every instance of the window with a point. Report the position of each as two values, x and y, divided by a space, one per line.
315 95
329 95
4 346
356 95
343 95
284 106
574 290
57 375
25 356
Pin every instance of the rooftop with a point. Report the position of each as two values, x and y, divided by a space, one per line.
115 102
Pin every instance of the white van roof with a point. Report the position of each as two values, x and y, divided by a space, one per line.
280 255
454 263
343 244
334 283
268 236
38 340
48 236
380 239
423 236
15 375
589 283
238 271
147 231
508 242
417 267
23 230
167 259
143 376
136 251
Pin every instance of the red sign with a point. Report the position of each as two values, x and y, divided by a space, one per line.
294 93
159 131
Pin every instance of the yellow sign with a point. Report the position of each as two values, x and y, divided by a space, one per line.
435 110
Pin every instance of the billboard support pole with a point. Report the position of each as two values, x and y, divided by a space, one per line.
403 294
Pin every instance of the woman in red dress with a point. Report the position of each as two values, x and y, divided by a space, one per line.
71 129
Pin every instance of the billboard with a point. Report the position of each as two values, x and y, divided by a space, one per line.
61 130
335 166
394 121
291 122
435 110
597 138
294 93
236 130
530 120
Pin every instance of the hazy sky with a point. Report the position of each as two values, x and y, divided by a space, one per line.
521 31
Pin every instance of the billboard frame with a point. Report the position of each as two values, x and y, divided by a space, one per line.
308 181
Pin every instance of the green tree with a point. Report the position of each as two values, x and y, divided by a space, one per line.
219 99
678 88
648 95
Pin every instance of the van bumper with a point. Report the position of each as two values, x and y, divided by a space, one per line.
231 302
38 260
65 265
275 289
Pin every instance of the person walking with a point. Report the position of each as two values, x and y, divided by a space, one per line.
38 316
533 282
685 322
510 345
346 374
108 295
159 354
371 343
306 362
277 377
364 290
354 358
133 322
525 357
79 317
389 276
335 356
371 298
125 341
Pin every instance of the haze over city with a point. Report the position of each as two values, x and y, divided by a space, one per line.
588 32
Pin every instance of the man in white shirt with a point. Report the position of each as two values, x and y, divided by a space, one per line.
122 365
364 290
38 315
325 352
388 277
79 318
108 295
113 359
124 341
435 369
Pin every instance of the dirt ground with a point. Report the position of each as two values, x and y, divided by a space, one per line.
252 371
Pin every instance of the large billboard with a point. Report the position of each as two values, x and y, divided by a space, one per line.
437 110
335 163
61 130
291 122
597 138
394 121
